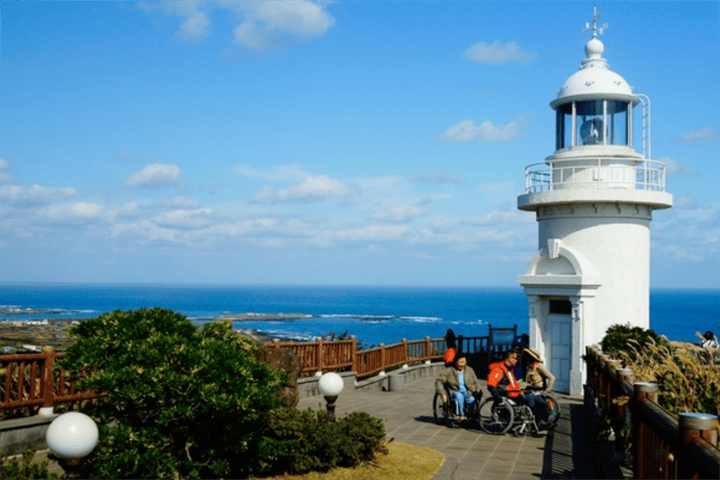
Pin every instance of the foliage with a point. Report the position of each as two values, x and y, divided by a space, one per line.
616 339
403 462
181 402
303 441
333 337
24 468
686 382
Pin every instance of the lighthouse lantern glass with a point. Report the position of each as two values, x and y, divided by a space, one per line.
590 125
617 116
597 122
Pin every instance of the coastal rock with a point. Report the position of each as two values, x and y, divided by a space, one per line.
285 360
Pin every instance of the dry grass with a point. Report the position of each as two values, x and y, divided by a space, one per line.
403 462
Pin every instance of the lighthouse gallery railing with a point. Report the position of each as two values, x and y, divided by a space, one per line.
595 173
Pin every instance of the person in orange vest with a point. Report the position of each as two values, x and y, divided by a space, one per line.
502 381
451 351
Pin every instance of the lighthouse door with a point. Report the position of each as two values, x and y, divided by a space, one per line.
559 325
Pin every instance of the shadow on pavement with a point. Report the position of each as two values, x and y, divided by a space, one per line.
570 451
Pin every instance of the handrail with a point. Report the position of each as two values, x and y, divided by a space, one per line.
32 380
661 446
615 172
317 356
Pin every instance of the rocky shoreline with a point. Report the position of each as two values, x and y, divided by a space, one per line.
29 336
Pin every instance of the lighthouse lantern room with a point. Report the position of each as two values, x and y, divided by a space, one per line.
593 200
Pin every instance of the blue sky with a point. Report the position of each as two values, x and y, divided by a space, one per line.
327 142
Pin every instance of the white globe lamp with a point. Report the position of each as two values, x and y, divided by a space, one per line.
72 436
331 384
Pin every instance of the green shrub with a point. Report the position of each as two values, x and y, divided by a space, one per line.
617 337
182 402
304 441
24 468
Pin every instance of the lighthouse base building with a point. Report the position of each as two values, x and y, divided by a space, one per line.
593 200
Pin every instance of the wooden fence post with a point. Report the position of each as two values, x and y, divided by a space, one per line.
693 426
48 383
320 354
354 355
428 353
382 359
406 354
641 392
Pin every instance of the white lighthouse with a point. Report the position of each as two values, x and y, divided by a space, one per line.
593 199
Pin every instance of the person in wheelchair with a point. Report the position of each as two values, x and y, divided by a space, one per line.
462 383
537 377
501 382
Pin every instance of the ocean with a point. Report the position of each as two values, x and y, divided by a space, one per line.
374 314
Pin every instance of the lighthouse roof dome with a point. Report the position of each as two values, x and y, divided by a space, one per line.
594 80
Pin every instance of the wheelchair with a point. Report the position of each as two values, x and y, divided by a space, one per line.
497 418
444 412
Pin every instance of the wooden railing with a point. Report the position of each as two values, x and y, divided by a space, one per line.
662 444
321 356
31 381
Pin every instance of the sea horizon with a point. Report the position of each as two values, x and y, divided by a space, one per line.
373 313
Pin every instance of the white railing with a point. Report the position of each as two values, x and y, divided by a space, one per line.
598 173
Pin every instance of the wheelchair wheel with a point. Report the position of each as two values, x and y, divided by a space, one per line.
440 409
495 418
553 409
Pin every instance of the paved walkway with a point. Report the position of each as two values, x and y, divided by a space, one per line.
471 454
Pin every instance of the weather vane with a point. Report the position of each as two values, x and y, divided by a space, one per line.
597 30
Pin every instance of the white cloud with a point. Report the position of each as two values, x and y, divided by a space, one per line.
4 167
267 25
185 219
283 173
35 195
468 131
500 217
195 23
73 213
157 175
706 134
130 209
437 177
400 213
312 189
677 167
372 233
497 53
146 230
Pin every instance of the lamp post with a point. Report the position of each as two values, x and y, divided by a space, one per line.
72 436
331 384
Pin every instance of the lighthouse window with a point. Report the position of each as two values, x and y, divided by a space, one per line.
617 116
560 307
590 124
564 127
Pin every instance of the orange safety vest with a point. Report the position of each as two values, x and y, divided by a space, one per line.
501 377
450 355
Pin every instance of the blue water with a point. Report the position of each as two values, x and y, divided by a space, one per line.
373 314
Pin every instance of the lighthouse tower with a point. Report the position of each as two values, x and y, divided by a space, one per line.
593 199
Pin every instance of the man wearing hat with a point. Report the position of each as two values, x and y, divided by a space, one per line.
537 377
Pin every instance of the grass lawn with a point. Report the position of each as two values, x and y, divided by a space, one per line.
403 462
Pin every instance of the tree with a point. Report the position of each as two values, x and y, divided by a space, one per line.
181 402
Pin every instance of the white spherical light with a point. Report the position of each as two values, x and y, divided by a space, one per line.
72 435
331 384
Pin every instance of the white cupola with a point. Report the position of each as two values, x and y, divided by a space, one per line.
594 106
